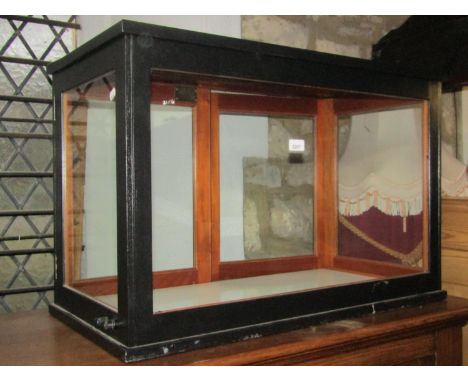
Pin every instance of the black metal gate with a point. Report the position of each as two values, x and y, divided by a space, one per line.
27 45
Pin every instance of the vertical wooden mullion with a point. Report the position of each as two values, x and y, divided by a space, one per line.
425 185
68 208
74 185
81 116
433 185
326 184
215 196
202 200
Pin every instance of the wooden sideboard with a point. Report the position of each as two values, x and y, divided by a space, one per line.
429 334
455 252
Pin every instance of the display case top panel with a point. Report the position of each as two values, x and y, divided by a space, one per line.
261 58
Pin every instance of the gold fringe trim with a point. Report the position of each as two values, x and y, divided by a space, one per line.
388 205
411 258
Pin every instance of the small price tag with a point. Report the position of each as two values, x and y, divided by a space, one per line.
296 145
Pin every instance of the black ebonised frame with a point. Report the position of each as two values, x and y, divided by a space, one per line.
132 50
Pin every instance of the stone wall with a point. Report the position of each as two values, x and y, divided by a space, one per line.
345 35
278 194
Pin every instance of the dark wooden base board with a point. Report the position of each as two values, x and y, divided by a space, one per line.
159 349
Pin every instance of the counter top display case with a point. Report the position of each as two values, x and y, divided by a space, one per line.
212 190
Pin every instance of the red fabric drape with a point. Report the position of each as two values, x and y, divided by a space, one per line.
387 230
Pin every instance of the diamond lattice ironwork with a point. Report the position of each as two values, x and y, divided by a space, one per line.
27 44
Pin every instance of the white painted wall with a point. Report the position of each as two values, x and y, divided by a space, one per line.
228 25
239 136
171 187
100 197
462 124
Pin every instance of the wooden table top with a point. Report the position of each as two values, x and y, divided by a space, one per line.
36 338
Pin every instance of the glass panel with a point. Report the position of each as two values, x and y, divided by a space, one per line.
381 187
89 198
172 187
266 169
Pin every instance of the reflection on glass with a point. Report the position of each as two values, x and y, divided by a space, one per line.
380 186
172 187
89 167
266 187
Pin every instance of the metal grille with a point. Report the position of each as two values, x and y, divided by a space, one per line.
27 44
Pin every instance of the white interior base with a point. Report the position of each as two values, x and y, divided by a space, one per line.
189 296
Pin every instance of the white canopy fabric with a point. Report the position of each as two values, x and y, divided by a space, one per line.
454 175
382 164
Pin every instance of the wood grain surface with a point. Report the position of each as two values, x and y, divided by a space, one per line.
455 253
426 334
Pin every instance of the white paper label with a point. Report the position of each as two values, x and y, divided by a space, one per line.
297 145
